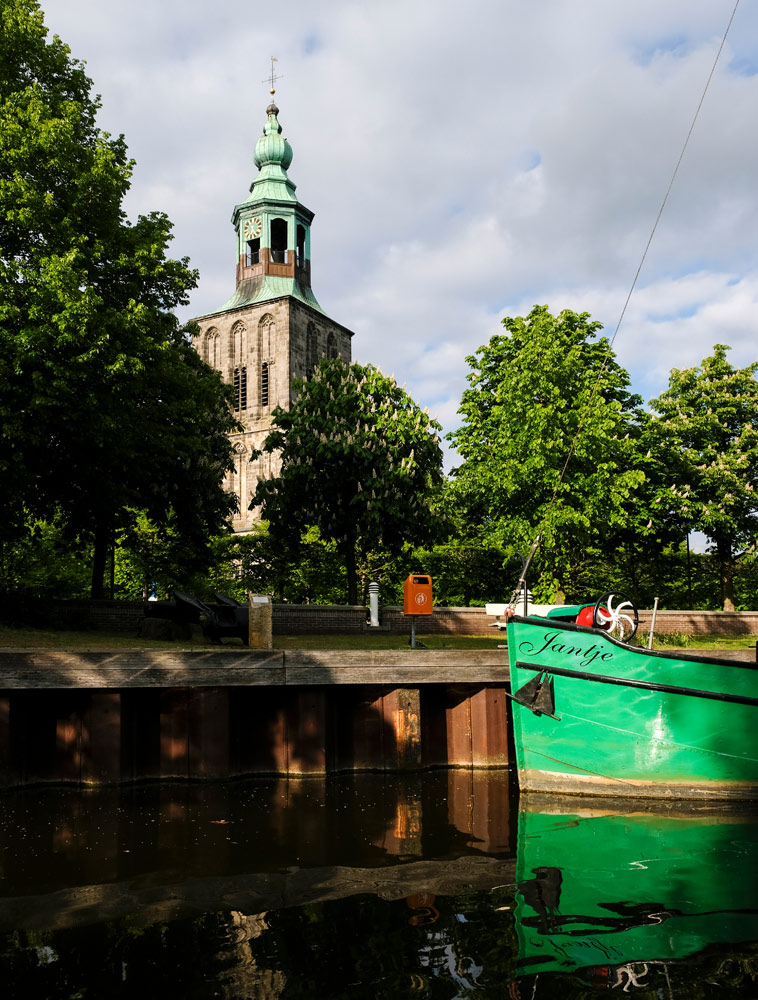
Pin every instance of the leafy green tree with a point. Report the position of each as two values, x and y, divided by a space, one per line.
44 562
104 405
359 460
255 563
550 443
706 429
468 572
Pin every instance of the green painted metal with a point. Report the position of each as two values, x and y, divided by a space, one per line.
566 611
269 287
613 739
600 889
272 196
273 155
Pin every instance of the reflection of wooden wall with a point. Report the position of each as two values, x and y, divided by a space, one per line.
101 736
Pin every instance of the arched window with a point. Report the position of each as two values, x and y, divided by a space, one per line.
240 388
279 241
209 352
240 476
331 346
265 336
266 332
311 349
253 255
300 258
237 344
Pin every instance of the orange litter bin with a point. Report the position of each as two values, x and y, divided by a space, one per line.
417 595
417 600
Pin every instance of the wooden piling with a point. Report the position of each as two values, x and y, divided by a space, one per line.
96 718
489 728
5 740
208 733
401 713
101 743
306 733
174 733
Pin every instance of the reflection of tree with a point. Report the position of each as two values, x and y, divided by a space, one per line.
329 949
180 959
349 949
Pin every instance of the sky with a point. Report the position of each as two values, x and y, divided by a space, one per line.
465 162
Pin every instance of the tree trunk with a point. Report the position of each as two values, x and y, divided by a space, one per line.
727 569
352 573
99 559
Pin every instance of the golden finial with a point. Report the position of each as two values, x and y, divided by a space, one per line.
271 80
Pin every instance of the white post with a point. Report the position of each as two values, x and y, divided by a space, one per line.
652 624
373 603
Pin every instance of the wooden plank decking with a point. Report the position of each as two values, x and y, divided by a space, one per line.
144 668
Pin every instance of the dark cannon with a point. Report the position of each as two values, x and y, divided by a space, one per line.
224 618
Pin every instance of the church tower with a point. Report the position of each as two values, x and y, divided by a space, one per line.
272 329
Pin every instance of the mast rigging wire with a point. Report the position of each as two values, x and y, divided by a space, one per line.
611 342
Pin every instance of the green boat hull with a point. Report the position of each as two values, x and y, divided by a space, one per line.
629 721
603 892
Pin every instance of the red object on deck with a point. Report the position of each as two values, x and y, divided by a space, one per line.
586 615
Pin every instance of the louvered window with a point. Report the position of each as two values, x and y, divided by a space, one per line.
264 384
240 388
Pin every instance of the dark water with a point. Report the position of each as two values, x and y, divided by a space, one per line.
441 885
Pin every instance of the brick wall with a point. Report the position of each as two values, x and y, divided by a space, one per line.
702 622
315 619
304 619
444 621
339 619
111 616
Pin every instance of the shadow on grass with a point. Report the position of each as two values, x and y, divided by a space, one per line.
28 638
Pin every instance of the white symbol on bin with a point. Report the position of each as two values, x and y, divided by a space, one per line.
420 598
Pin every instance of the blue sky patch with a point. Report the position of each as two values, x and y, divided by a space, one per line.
533 160
744 65
686 312
644 53
311 43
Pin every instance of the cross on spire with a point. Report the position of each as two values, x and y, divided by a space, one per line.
271 80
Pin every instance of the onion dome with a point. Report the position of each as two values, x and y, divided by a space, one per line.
272 149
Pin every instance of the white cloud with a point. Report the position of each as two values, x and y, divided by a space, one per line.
464 162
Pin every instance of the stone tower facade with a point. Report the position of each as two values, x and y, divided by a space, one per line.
272 329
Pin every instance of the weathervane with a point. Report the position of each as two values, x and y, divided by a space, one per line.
271 80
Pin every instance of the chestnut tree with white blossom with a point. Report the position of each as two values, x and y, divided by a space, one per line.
706 433
360 460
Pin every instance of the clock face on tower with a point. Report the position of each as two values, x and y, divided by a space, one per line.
252 228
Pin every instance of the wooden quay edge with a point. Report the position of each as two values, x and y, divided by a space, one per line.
143 668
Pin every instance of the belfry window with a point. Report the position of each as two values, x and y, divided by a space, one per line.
279 241
264 384
240 388
300 259
253 255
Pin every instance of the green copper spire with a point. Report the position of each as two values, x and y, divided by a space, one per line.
272 227
273 155
271 148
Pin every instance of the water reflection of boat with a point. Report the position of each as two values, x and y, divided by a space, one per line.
594 715
610 897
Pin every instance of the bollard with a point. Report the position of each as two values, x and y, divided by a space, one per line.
373 603
652 624
260 621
